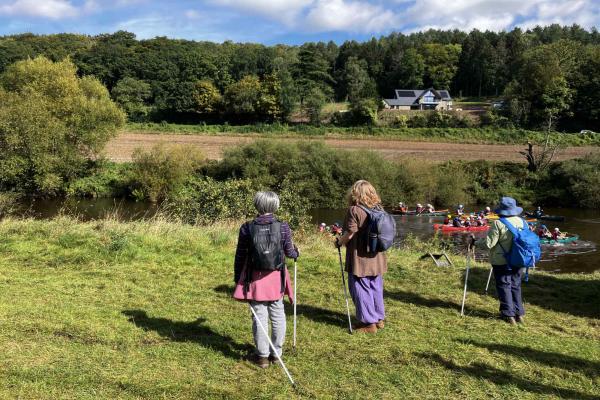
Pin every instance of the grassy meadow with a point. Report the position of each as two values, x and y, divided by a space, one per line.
109 310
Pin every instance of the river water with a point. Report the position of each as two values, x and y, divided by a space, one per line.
580 256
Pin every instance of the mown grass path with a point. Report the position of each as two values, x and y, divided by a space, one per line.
120 149
106 310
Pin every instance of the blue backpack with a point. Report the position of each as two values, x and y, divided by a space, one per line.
381 230
525 251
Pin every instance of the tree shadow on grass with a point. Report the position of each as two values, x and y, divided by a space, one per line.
418 300
316 314
569 296
555 360
194 331
496 376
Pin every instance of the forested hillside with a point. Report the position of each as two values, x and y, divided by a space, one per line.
548 76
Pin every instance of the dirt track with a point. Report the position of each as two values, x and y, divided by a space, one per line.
121 148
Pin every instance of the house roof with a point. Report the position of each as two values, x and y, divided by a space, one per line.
408 97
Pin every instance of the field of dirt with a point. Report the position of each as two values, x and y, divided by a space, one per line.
121 148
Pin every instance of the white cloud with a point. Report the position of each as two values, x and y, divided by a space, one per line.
59 9
354 16
375 16
287 12
499 14
52 9
192 14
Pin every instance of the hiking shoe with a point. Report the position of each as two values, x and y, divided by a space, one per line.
261 362
510 320
520 319
272 359
380 324
365 328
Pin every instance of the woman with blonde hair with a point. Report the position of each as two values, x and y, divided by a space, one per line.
365 270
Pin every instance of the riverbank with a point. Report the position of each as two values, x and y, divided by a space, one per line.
142 310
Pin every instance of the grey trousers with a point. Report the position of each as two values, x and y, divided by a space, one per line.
274 311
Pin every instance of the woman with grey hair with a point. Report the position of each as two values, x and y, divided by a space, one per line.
261 276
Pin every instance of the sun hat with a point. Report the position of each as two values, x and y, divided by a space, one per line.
508 207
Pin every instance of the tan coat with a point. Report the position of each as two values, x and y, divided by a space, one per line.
358 261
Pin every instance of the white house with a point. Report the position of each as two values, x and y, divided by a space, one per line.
419 99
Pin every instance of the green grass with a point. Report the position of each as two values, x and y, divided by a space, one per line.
107 310
450 135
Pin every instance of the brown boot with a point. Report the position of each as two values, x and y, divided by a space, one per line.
273 359
380 324
261 362
365 328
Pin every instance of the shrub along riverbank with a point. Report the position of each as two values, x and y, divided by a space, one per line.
312 175
110 310
488 135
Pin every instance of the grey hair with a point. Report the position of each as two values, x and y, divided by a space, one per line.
266 202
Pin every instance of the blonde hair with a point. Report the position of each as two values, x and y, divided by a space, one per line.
363 193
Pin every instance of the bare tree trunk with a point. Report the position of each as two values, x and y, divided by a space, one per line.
532 164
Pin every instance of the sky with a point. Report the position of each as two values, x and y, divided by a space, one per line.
286 21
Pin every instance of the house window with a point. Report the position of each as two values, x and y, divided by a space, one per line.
429 99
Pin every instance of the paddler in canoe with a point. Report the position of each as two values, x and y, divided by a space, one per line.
543 232
481 221
401 209
429 209
448 219
419 209
557 234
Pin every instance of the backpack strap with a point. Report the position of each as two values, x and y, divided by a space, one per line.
366 209
509 226
512 230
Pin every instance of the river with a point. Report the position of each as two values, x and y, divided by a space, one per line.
580 256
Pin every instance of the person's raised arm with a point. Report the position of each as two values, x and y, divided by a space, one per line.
491 239
350 228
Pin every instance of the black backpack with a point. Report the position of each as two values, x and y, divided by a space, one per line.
266 253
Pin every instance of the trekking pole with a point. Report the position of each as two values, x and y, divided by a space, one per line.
345 291
462 307
295 302
262 328
487 285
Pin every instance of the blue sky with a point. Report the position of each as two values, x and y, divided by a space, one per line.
286 21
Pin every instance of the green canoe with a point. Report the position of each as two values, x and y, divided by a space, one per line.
568 239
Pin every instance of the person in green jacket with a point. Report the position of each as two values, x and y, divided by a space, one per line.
499 241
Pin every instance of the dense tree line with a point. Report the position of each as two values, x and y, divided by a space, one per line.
549 76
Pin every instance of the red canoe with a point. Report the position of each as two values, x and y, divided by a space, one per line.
450 228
